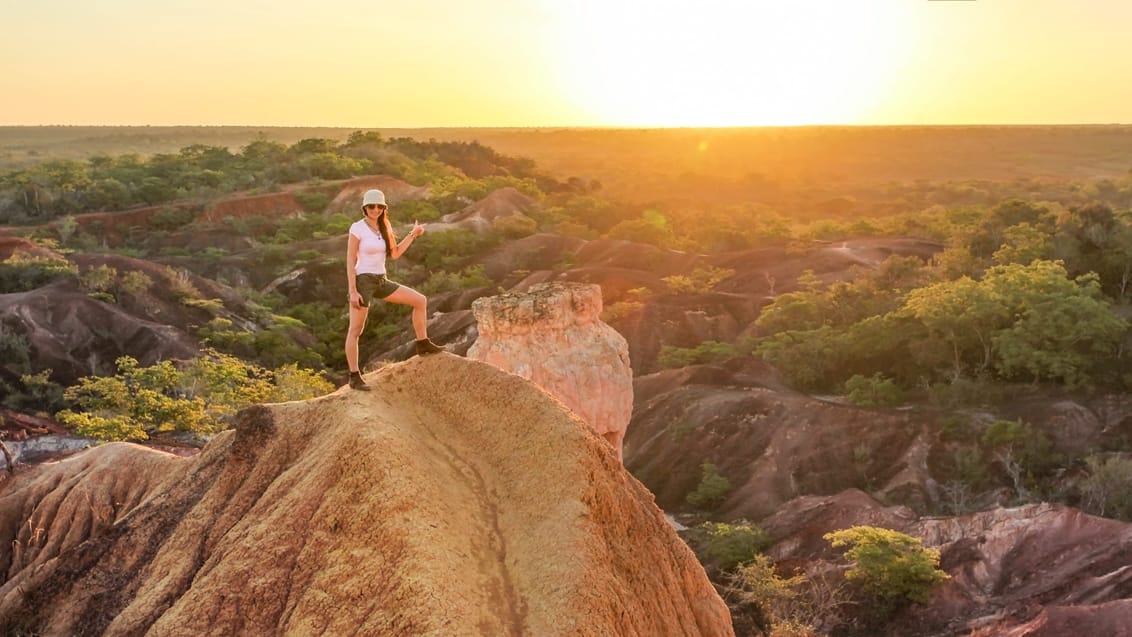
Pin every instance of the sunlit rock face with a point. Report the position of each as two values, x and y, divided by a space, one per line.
553 335
424 509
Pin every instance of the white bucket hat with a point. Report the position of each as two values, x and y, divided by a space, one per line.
373 196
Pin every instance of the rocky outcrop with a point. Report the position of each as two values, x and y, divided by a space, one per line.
553 336
480 217
771 443
455 500
272 204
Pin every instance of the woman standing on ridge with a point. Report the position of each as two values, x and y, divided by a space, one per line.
370 243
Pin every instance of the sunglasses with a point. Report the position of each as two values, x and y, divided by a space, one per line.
371 206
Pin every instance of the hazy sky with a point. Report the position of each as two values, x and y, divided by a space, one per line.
417 63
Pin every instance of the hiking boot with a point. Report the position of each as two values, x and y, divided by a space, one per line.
356 382
426 346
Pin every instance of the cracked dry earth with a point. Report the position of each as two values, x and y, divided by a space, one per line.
454 499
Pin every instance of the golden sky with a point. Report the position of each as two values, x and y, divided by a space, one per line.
424 63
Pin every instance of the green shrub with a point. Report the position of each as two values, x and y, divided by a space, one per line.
105 297
99 279
39 394
314 202
620 310
712 489
514 226
15 351
172 218
201 396
957 428
1106 489
700 280
729 545
682 428
873 391
468 278
1022 443
891 569
134 282
787 606
20 273
672 357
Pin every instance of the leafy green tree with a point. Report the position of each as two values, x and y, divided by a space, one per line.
1060 327
1020 319
358 138
806 358
793 311
962 314
891 568
1022 244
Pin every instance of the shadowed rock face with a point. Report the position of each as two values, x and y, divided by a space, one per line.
454 499
74 335
771 443
553 336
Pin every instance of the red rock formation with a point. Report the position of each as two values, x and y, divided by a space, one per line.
553 336
454 500
273 204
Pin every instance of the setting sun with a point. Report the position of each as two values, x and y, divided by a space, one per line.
522 63
731 63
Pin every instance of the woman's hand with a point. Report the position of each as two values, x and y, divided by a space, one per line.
356 300
417 230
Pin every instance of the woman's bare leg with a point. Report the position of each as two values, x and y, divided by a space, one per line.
353 334
409 296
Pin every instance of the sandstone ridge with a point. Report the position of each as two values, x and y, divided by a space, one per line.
455 499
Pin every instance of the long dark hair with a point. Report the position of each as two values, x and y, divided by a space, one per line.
386 230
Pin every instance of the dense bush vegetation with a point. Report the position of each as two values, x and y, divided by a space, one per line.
59 187
201 396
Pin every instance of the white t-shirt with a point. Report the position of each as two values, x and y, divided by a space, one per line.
371 249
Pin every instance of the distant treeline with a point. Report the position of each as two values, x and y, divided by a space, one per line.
60 187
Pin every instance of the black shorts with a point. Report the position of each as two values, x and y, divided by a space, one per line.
374 286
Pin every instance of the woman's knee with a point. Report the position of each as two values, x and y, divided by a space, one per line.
414 298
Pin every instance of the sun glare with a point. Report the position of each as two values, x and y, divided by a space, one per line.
731 63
